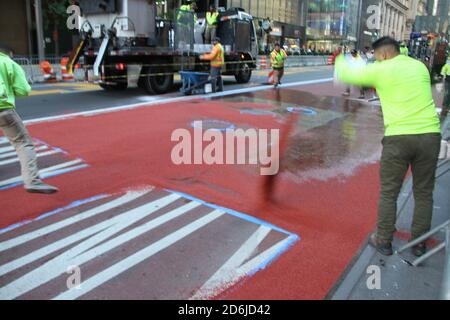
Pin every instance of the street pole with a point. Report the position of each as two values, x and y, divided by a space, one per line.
39 29
29 28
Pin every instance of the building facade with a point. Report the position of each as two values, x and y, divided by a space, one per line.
287 18
433 17
15 33
332 23
394 16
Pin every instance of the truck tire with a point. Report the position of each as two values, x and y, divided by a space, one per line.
119 86
244 74
157 84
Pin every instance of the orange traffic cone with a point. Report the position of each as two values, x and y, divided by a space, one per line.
270 77
47 70
66 75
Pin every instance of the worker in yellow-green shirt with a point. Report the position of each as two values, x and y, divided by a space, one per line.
404 49
445 73
212 20
277 58
186 10
14 83
412 135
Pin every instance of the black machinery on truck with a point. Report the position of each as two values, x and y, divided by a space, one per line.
124 42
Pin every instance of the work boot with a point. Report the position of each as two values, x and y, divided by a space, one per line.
41 187
419 249
382 246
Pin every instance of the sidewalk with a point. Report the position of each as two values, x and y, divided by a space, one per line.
398 279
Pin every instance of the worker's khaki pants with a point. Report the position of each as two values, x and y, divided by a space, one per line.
18 136
420 152
210 34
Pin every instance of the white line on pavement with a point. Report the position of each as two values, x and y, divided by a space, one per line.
170 100
125 264
128 197
42 154
90 248
14 153
82 252
49 170
227 272
6 149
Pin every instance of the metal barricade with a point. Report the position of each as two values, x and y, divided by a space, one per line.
184 31
27 66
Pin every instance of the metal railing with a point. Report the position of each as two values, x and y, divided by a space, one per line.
444 293
27 67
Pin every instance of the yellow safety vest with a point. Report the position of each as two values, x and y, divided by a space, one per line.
445 71
277 59
219 59
211 18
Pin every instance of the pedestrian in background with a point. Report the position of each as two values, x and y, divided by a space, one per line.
13 83
355 59
277 58
412 136
212 20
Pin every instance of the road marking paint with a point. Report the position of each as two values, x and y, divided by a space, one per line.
43 173
53 212
262 260
92 247
94 242
171 100
4 140
14 153
234 213
44 92
122 266
39 155
6 149
227 272
128 197
227 279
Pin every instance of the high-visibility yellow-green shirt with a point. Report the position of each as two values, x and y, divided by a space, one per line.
404 87
445 71
187 8
211 18
13 82
404 51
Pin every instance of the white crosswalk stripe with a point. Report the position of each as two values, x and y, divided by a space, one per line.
53 170
119 222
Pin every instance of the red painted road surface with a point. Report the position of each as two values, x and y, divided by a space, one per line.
327 192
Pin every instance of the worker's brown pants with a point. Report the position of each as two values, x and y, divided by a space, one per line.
420 152
277 75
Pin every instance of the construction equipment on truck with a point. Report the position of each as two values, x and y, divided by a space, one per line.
124 43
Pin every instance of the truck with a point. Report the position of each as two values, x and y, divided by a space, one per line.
125 43
430 49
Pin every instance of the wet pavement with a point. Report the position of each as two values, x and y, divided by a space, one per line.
399 280
326 194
